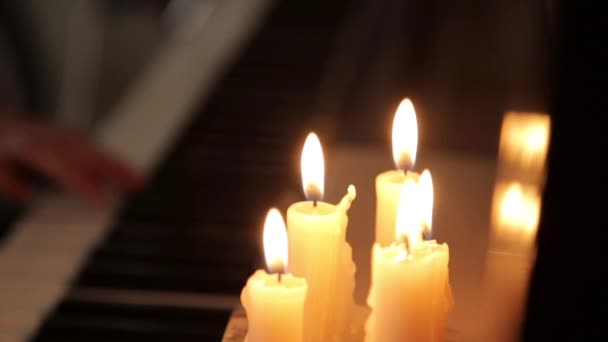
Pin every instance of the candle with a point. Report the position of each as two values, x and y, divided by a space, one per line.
274 302
400 296
440 253
319 251
410 295
390 183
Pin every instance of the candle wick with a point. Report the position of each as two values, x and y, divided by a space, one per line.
406 242
314 203
280 277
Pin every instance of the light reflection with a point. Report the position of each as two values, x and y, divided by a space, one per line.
516 213
524 143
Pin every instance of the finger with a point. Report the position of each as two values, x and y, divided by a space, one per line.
12 186
99 163
58 167
119 173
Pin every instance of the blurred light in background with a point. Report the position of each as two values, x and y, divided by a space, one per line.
516 208
516 211
524 142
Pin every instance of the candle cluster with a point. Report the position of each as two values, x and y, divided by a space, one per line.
410 294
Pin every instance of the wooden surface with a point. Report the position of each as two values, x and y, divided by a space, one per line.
463 191
236 330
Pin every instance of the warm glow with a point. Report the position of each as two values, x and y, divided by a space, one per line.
407 225
425 191
313 168
405 135
518 210
537 138
524 141
275 242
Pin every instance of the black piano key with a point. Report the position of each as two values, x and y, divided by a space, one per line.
132 272
177 247
9 213
93 321
197 233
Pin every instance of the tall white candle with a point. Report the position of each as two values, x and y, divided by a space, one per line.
319 252
390 183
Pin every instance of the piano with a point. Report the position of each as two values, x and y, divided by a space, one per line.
215 120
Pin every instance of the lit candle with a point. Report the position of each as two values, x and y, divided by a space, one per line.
390 183
410 295
442 300
400 297
274 301
319 251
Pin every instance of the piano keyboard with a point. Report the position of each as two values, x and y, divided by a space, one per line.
43 251
174 262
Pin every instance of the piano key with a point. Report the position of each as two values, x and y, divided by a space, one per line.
178 247
91 321
218 276
154 298
8 214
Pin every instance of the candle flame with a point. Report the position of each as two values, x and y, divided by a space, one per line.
425 189
405 135
518 210
408 215
275 242
313 168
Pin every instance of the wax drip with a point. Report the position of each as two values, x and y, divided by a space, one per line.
348 199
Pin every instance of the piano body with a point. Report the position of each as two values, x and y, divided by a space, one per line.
217 121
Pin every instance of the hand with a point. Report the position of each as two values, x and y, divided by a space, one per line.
63 156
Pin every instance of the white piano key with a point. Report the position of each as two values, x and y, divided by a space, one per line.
11 335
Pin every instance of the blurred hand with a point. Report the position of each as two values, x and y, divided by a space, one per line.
63 156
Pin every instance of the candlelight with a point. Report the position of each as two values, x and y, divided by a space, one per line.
519 211
407 225
524 141
313 168
425 191
405 135
275 242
